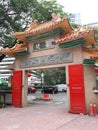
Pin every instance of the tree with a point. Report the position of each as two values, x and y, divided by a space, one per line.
16 15
96 33
96 36
53 76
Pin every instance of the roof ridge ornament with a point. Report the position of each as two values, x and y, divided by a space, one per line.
56 17
33 25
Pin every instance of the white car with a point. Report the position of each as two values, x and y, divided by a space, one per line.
62 87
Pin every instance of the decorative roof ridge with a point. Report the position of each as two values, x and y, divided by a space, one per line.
33 30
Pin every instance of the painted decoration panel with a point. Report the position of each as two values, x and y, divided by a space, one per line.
47 60
44 45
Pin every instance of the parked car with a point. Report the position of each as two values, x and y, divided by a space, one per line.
31 90
50 89
62 87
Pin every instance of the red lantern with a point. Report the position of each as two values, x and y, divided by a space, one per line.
96 69
29 74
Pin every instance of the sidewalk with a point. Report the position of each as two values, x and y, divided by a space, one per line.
44 117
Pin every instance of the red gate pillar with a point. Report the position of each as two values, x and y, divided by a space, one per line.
17 88
76 88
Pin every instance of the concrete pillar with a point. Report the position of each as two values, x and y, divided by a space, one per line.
89 83
24 88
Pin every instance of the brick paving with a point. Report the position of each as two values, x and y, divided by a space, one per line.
44 117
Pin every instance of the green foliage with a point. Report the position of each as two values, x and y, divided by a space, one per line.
96 33
16 15
53 76
74 25
96 36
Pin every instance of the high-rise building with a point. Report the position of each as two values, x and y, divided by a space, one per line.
75 18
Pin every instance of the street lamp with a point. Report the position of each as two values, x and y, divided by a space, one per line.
42 78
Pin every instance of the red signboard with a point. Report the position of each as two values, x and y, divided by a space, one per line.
76 87
17 88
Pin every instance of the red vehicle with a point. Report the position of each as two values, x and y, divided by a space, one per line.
31 90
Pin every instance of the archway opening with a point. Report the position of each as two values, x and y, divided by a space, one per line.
51 81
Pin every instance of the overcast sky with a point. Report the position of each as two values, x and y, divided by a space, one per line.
87 8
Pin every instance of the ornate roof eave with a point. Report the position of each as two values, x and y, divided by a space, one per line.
45 27
86 34
91 52
16 48
89 38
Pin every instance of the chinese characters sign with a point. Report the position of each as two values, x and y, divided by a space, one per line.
47 60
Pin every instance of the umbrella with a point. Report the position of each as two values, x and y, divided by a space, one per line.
3 82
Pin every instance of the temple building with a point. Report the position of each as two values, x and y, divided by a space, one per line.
56 44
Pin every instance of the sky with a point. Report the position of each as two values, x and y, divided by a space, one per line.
88 9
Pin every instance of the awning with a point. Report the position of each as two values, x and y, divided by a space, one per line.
3 82
71 43
89 62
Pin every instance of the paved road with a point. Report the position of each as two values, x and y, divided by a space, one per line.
44 115
59 99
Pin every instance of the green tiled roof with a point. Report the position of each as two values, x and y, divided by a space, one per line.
71 43
54 32
21 54
89 62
